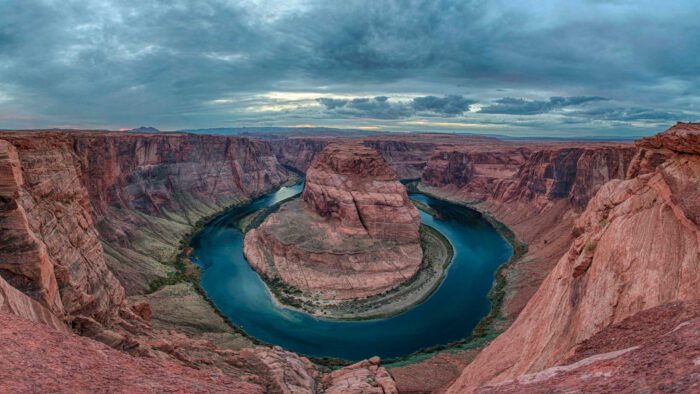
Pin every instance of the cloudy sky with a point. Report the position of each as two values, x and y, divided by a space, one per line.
517 67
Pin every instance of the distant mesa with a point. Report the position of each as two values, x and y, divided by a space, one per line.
145 129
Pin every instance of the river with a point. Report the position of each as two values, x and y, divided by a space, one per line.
450 314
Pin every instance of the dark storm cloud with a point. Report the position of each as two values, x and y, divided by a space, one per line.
210 62
381 108
448 106
629 114
518 106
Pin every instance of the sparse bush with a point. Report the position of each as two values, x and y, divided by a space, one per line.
591 245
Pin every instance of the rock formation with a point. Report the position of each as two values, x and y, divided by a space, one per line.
637 246
353 234
53 244
298 153
407 158
538 191
57 189
76 207
67 362
148 191
142 192
652 351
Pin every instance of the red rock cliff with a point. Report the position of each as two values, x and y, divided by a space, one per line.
354 234
52 210
143 193
353 185
537 190
148 190
407 158
637 246
52 185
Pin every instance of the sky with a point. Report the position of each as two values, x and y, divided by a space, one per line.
572 68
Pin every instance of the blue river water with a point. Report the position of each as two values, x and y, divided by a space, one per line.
450 314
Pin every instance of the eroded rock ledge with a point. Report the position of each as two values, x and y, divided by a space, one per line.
354 233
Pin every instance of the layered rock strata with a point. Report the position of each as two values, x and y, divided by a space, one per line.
637 246
407 158
148 191
353 234
537 191
53 253
655 350
56 191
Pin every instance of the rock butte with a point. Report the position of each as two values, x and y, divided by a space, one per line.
607 288
353 234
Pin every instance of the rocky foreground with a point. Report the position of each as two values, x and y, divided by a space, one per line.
353 234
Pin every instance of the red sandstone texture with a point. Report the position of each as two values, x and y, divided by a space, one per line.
605 277
53 243
637 247
37 358
537 191
17 303
51 187
354 235
407 155
147 191
143 192
407 158
657 350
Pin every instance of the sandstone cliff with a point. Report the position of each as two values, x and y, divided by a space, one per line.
53 243
538 191
298 153
637 247
407 158
354 234
148 191
54 187
652 351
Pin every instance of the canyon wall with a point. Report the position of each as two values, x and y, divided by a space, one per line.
652 351
538 176
637 246
537 190
143 192
298 153
54 244
56 190
148 191
405 156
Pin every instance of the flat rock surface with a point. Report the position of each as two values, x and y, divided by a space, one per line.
36 358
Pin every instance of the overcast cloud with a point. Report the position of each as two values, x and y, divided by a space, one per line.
582 67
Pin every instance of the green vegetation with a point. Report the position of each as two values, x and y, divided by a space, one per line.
426 208
591 245
244 224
